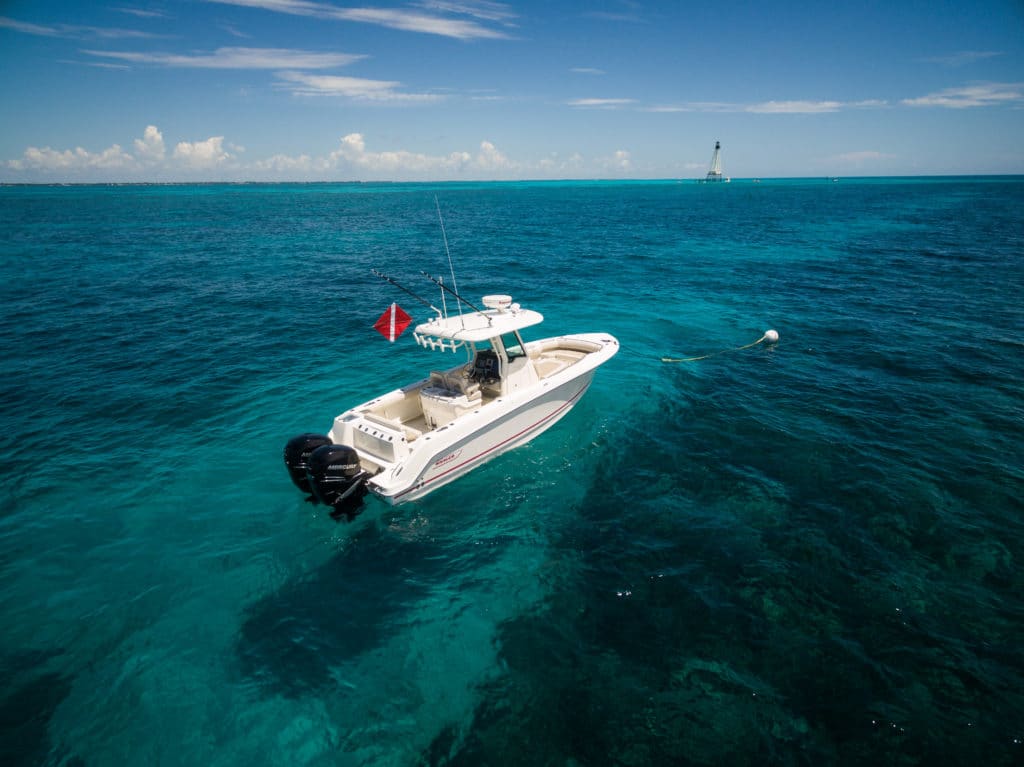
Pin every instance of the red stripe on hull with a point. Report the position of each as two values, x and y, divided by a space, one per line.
568 403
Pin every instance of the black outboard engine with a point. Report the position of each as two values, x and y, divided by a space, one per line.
296 458
337 479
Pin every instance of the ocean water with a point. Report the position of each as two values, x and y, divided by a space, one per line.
801 554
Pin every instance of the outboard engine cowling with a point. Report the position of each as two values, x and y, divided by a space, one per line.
296 458
337 478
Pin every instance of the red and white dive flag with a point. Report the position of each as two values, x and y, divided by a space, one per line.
392 322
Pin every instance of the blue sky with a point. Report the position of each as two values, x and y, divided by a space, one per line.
222 90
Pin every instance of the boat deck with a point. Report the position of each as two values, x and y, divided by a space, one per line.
405 418
552 361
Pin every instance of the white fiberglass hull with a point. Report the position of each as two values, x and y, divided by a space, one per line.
475 439
405 455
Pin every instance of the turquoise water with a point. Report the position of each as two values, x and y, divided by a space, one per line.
808 553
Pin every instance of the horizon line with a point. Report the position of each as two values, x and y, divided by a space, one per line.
653 179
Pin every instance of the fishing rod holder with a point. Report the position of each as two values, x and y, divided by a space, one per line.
434 343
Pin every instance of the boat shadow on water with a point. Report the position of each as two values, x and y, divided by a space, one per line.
30 698
291 640
734 593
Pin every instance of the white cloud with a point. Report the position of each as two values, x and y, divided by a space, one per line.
72 31
556 167
795 107
480 9
150 148
724 107
620 161
101 65
352 158
600 103
234 31
28 29
283 164
627 16
411 21
492 159
586 71
152 158
402 19
962 58
980 95
350 87
352 154
238 58
202 155
810 107
143 13
78 159
149 156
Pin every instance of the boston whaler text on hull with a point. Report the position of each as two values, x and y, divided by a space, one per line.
411 441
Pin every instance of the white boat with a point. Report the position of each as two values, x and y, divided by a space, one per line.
411 441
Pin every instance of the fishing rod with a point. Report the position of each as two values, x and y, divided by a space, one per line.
422 300
444 235
451 266
460 298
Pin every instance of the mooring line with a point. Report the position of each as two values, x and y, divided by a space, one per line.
770 336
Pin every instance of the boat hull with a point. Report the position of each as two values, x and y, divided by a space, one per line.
477 440
409 442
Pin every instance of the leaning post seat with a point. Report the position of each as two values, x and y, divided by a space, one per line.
441 405
485 367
